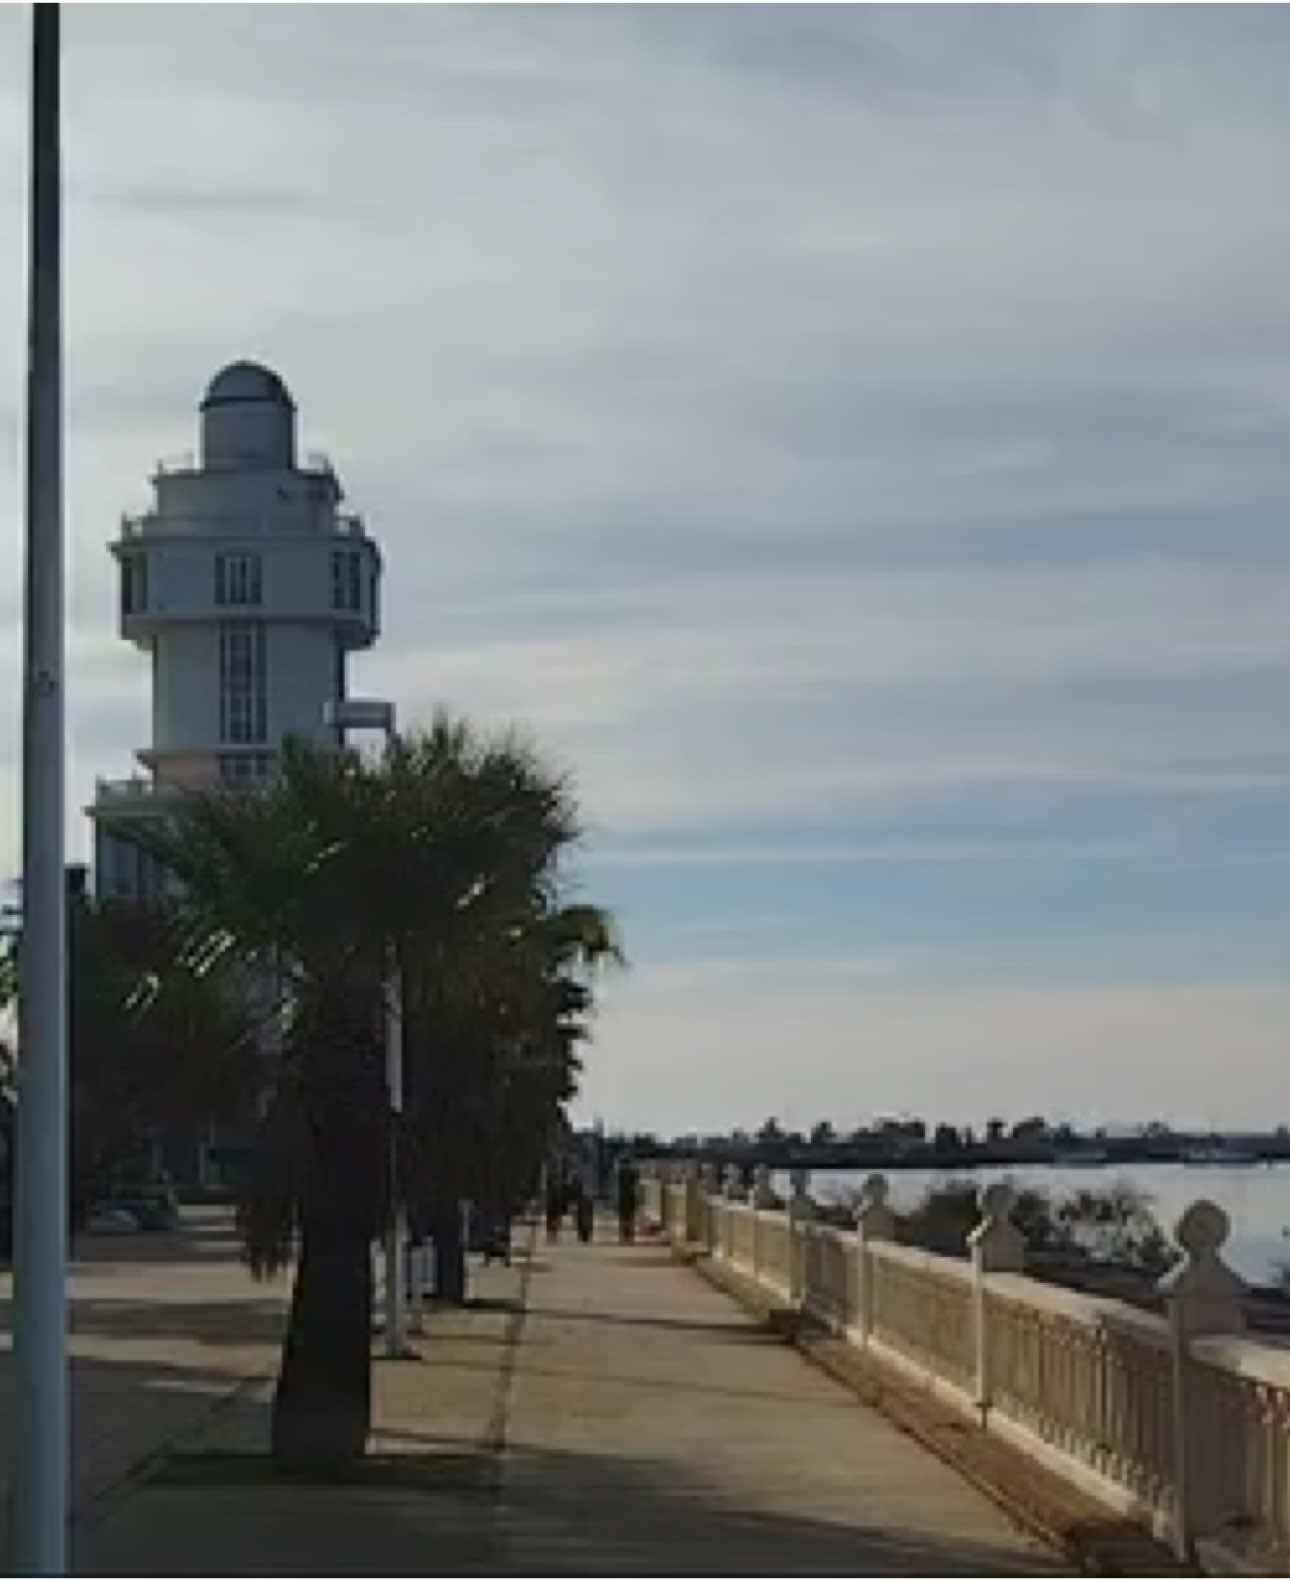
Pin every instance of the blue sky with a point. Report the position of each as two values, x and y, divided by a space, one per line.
852 439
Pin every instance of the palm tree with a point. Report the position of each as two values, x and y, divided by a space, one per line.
493 1058
445 857
161 1039
158 1040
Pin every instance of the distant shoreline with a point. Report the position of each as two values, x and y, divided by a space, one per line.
1234 1152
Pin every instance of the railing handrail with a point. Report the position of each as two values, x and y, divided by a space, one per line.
1077 1306
1261 1360
1157 1414
154 524
826 1231
955 1269
136 786
186 461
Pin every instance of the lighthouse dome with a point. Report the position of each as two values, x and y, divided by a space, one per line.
248 420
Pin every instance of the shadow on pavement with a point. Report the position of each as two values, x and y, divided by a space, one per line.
573 1513
122 1414
204 1235
248 1322
541 1512
481 1304
472 1507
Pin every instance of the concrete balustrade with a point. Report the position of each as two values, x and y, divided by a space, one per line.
651 1194
1181 1421
763 1192
922 1316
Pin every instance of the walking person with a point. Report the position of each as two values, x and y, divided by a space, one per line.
554 1205
585 1207
628 1188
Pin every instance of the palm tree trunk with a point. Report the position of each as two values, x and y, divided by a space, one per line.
322 1405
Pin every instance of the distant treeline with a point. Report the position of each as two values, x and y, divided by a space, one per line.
912 1144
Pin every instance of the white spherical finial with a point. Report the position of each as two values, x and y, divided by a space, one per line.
1202 1229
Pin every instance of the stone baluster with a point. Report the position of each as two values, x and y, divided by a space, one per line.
801 1211
415 1285
874 1222
1202 1296
763 1198
731 1192
1207 1295
710 1187
763 1191
692 1226
996 1246
651 1181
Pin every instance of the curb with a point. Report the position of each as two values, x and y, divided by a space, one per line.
1095 1540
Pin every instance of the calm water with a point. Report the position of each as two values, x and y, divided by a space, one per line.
1255 1197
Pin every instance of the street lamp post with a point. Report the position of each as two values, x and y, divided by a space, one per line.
359 713
38 1412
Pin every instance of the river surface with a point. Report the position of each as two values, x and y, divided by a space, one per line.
1256 1197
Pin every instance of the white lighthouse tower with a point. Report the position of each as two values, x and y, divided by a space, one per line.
248 586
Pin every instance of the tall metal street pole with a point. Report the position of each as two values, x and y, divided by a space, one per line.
396 1232
39 1414
396 1238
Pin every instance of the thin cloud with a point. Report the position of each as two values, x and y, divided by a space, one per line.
852 438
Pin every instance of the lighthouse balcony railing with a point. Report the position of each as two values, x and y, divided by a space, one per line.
345 524
138 788
186 461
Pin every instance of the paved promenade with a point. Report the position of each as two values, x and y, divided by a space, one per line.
595 1410
161 1328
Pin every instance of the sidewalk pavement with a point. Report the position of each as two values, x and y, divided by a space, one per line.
594 1410
161 1328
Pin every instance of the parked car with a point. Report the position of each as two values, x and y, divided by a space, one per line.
150 1207
105 1219
155 1207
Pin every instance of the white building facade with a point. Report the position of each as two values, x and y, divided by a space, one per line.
248 586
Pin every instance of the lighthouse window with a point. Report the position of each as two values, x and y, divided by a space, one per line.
244 768
346 579
338 670
237 579
243 691
134 584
